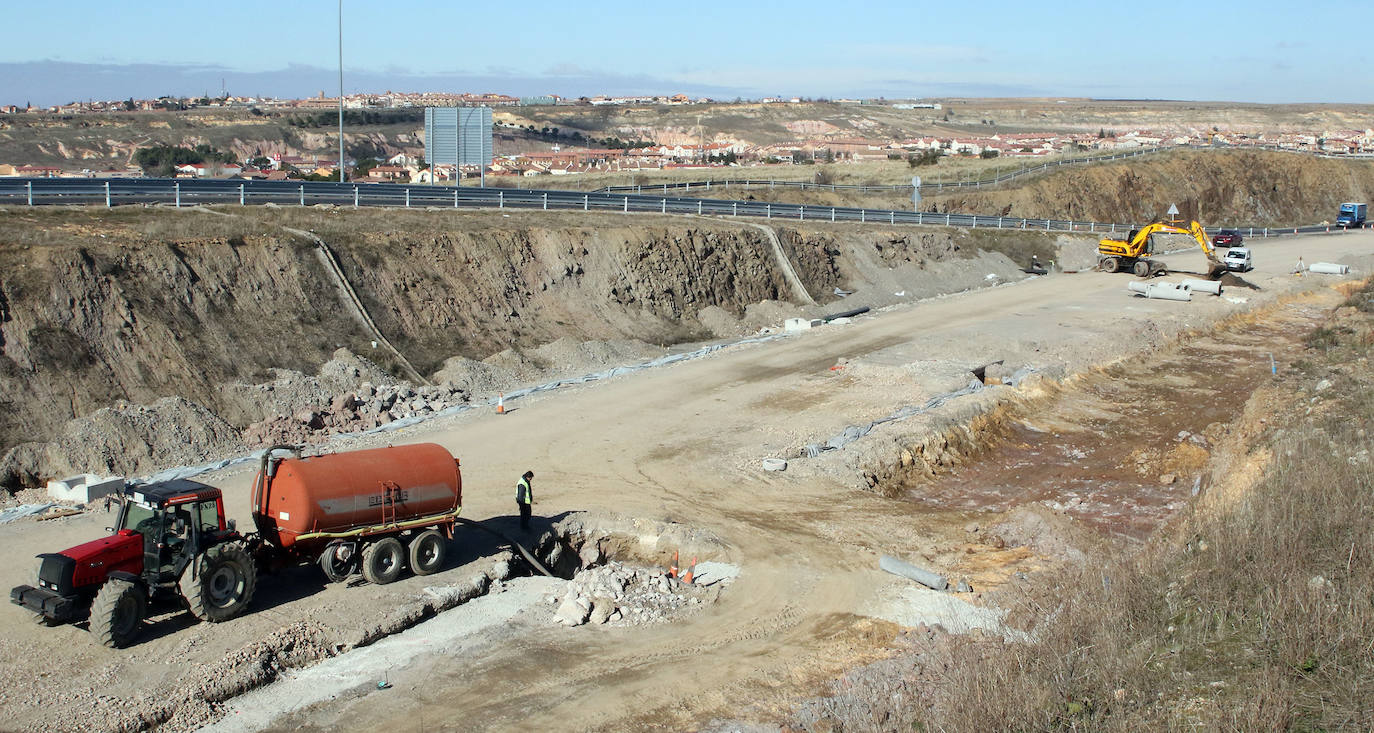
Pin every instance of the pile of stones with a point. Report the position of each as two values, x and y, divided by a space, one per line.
621 595
369 407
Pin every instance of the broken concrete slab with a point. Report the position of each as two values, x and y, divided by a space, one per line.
84 488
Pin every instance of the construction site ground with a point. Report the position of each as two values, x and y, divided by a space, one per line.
683 444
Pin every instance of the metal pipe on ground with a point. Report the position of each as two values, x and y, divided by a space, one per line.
845 314
1328 268
911 572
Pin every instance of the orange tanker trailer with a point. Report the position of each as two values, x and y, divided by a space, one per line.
374 510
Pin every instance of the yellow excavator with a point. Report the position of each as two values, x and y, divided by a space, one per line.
1133 253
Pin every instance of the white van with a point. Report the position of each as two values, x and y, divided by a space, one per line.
1238 259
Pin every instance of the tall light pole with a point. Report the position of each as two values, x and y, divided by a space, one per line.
341 140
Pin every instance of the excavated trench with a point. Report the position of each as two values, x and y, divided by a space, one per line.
1122 448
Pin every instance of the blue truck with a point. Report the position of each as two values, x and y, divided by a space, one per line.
1351 216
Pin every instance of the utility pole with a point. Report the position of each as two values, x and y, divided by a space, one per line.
701 141
342 174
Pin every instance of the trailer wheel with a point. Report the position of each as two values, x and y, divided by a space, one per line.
336 568
117 613
1141 268
220 582
382 560
427 553
1110 264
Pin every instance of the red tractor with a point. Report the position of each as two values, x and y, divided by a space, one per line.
171 545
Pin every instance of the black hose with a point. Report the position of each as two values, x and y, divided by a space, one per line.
528 555
846 314
261 480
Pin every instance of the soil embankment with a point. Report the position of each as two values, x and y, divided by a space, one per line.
1217 187
98 309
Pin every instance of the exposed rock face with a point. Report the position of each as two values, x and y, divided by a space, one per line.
97 311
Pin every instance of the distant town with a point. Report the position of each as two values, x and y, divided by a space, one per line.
816 141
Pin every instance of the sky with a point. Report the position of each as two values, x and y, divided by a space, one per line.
1259 51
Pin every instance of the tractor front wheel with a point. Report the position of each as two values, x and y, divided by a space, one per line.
117 613
1141 268
220 582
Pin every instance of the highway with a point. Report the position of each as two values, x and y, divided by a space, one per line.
193 192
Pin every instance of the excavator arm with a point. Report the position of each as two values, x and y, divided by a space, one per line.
1215 267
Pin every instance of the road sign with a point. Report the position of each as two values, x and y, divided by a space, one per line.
915 192
1173 210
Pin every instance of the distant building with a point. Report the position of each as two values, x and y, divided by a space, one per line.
458 135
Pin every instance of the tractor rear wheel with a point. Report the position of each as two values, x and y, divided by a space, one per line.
219 584
117 613
1141 268
427 553
382 560
1110 264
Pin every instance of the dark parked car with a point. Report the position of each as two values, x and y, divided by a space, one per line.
1227 238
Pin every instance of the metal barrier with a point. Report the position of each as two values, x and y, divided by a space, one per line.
177 192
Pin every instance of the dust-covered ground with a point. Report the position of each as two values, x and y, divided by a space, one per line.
136 339
670 459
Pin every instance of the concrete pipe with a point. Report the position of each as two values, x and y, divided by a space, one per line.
1328 268
1136 286
1164 292
907 570
1203 286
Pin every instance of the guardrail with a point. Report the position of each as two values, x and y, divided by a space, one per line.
190 192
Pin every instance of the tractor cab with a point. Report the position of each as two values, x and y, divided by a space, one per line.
175 520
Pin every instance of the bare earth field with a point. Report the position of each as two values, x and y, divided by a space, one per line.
669 459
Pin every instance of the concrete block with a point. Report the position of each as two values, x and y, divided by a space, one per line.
84 488
800 324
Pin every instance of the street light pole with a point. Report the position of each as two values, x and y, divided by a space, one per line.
342 175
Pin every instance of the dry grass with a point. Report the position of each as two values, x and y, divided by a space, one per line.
92 225
1256 616
870 173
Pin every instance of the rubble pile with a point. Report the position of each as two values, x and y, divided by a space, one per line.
369 407
621 595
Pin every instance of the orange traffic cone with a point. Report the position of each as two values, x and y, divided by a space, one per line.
691 572
500 403
672 569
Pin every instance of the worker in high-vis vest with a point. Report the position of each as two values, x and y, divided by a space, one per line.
524 499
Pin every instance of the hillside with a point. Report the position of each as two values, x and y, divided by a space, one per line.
132 305
99 141
1218 187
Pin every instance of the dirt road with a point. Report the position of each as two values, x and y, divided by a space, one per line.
683 444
